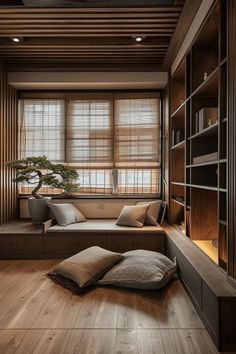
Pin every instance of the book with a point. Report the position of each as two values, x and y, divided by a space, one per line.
205 158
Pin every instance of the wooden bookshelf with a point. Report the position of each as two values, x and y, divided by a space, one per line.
198 138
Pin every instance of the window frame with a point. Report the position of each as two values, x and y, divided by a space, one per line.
112 95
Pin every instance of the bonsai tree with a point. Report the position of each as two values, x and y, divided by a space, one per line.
40 171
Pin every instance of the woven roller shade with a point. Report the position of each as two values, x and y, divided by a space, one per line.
89 132
42 129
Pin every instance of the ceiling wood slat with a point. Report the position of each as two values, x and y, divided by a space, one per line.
104 35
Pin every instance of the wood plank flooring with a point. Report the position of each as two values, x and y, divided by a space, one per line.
40 317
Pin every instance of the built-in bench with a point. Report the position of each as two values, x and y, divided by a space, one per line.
210 289
67 240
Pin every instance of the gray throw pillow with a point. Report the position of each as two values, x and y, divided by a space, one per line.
132 215
153 212
87 266
66 214
141 269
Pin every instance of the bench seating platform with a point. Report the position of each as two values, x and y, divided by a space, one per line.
101 226
66 240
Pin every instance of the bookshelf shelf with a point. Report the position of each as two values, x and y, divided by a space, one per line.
209 131
179 145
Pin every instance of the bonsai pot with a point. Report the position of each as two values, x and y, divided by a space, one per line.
38 209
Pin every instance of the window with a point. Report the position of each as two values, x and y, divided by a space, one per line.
113 141
137 144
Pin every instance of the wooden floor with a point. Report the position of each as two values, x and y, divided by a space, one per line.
37 316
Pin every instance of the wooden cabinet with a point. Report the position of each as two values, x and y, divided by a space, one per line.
129 242
63 245
20 246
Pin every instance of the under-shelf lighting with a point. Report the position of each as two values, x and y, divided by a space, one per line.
16 39
138 39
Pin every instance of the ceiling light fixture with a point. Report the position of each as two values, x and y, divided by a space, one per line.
138 39
16 39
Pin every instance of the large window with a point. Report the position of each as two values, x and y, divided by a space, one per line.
113 141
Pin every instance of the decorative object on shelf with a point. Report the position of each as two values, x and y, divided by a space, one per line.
205 158
205 117
215 243
39 171
180 199
205 76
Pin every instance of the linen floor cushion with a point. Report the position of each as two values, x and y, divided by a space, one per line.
87 266
132 215
153 212
141 269
66 214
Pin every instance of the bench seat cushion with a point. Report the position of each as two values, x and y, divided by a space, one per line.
103 225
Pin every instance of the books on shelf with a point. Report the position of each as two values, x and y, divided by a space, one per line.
177 137
206 117
205 158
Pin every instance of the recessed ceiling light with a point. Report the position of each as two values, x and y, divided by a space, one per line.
138 39
16 39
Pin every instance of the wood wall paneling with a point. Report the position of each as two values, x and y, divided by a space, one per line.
8 147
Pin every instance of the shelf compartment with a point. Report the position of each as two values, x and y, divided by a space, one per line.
204 215
205 51
209 248
209 86
177 165
178 89
205 175
176 212
205 147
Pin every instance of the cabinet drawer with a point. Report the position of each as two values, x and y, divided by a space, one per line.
125 242
21 245
71 244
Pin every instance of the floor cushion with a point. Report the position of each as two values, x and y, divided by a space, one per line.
141 269
87 266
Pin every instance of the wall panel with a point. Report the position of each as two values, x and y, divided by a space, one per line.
8 147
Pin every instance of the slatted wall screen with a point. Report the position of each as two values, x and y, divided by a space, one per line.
8 148
113 141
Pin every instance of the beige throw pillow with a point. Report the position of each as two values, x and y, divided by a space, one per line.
153 212
66 214
132 215
87 266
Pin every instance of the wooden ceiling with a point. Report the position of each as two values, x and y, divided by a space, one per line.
88 35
